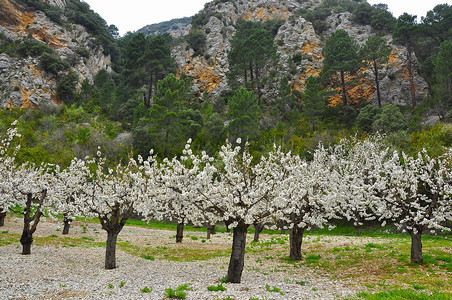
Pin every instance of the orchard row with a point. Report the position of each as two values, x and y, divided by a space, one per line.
356 179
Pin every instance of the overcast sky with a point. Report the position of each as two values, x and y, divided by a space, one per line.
132 15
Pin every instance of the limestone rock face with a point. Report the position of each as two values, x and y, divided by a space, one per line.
296 35
23 83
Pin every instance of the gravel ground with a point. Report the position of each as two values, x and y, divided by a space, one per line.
52 272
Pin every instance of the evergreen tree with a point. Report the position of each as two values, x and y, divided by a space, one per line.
252 51
405 34
314 100
376 52
443 75
157 63
169 124
243 115
341 56
134 51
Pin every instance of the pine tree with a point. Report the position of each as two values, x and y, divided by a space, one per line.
341 56
405 34
376 52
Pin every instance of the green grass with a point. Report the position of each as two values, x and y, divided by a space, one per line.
273 290
402 294
216 288
178 293
146 290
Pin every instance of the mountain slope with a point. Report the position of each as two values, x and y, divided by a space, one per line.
296 36
40 47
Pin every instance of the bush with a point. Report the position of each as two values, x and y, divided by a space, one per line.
197 41
66 87
52 63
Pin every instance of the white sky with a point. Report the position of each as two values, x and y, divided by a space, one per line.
132 15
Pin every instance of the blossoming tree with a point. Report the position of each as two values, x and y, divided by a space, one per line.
7 166
112 195
417 195
307 197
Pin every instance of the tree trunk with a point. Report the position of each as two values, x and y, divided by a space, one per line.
210 230
110 253
416 246
67 225
180 232
411 76
237 260
296 238
27 233
344 91
26 240
2 218
357 222
377 83
258 227
258 86
358 230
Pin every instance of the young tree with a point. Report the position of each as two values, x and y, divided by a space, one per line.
180 189
7 166
110 195
33 189
359 165
305 197
417 195
341 56
405 33
376 52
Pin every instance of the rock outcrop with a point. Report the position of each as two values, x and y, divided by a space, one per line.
23 82
296 35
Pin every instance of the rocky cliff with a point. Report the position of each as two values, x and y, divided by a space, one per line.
296 35
23 81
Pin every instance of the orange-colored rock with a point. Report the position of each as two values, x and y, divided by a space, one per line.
52 40
12 16
203 74
362 88
265 14
25 101
314 49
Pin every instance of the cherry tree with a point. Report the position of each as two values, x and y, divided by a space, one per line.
243 194
359 164
112 195
7 166
181 183
69 181
417 195
307 196
32 189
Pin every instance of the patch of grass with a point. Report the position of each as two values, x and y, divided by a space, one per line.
194 238
224 279
216 288
273 290
148 257
146 290
111 286
402 294
178 293
122 283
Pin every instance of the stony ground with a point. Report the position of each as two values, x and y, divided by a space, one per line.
54 271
